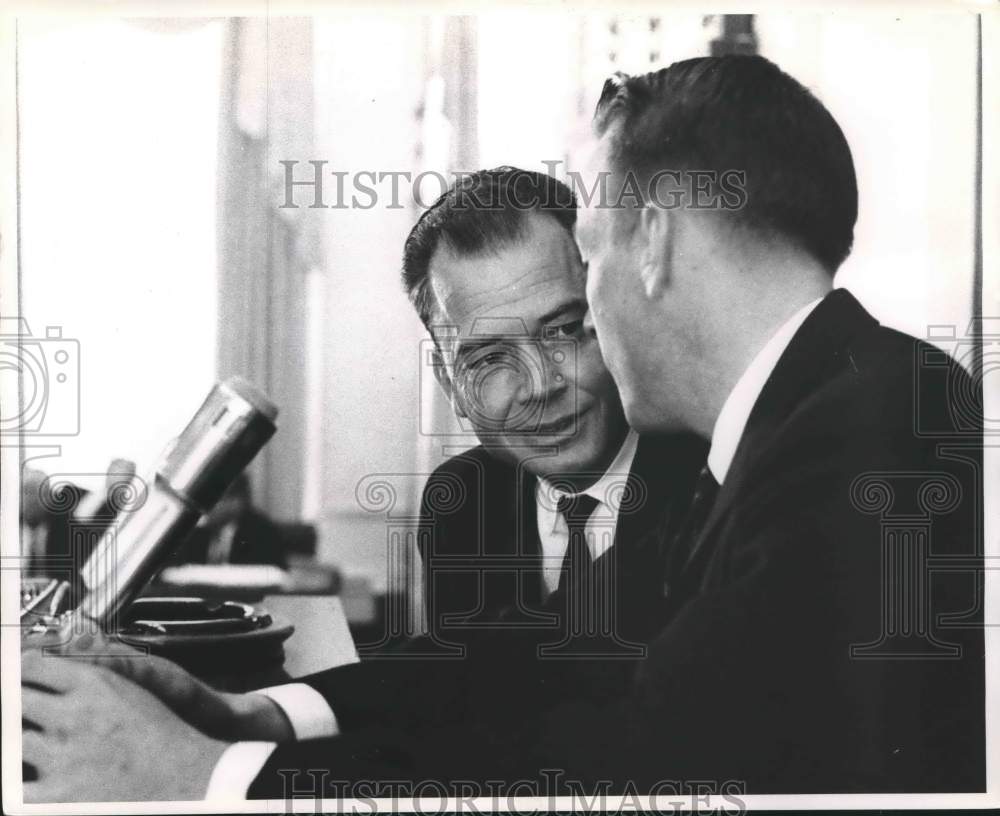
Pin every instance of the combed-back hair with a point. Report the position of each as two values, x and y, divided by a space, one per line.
742 113
481 212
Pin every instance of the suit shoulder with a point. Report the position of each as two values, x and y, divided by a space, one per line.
920 385
464 481
469 464
891 398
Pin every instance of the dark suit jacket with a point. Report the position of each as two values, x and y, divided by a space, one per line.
807 645
490 670
479 539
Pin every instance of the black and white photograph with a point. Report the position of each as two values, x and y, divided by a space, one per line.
499 407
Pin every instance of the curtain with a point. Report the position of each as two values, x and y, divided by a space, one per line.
264 253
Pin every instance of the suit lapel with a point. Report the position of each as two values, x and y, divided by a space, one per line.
529 543
660 483
817 351
658 492
512 525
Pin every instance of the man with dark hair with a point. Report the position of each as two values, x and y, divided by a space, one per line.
795 652
534 602
481 212
742 114
803 642
492 269
804 639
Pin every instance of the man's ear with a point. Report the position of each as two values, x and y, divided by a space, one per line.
655 234
441 375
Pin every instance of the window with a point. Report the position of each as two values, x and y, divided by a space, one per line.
118 131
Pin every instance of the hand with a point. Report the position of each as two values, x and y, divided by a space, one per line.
220 715
94 736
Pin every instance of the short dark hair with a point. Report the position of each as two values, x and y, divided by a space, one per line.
482 211
740 112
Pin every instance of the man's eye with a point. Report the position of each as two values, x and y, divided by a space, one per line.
572 329
488 358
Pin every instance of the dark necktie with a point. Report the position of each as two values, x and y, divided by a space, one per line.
685 542
576 510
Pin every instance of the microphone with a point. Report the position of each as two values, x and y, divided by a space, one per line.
233 423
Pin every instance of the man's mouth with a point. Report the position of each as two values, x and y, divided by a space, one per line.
556 426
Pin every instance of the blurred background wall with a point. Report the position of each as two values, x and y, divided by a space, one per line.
152 231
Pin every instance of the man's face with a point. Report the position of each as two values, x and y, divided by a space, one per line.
520 365
631 332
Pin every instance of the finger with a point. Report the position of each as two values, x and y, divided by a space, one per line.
100 642
42 709
37 793
37 750
123 639
143 669
120 659
37 671
81 643
117 646
54 672
72 642
160 676
50 790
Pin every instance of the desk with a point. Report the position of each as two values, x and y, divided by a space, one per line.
321 639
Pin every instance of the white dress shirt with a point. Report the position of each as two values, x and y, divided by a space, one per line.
309 713
732 419
311 718
602 524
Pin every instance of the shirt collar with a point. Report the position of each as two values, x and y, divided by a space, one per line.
736 409
601 489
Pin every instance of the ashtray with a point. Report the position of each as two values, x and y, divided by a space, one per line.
206 637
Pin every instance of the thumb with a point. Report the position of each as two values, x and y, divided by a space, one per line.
156 674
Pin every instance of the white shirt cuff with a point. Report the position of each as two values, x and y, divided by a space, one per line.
237 768
310 715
